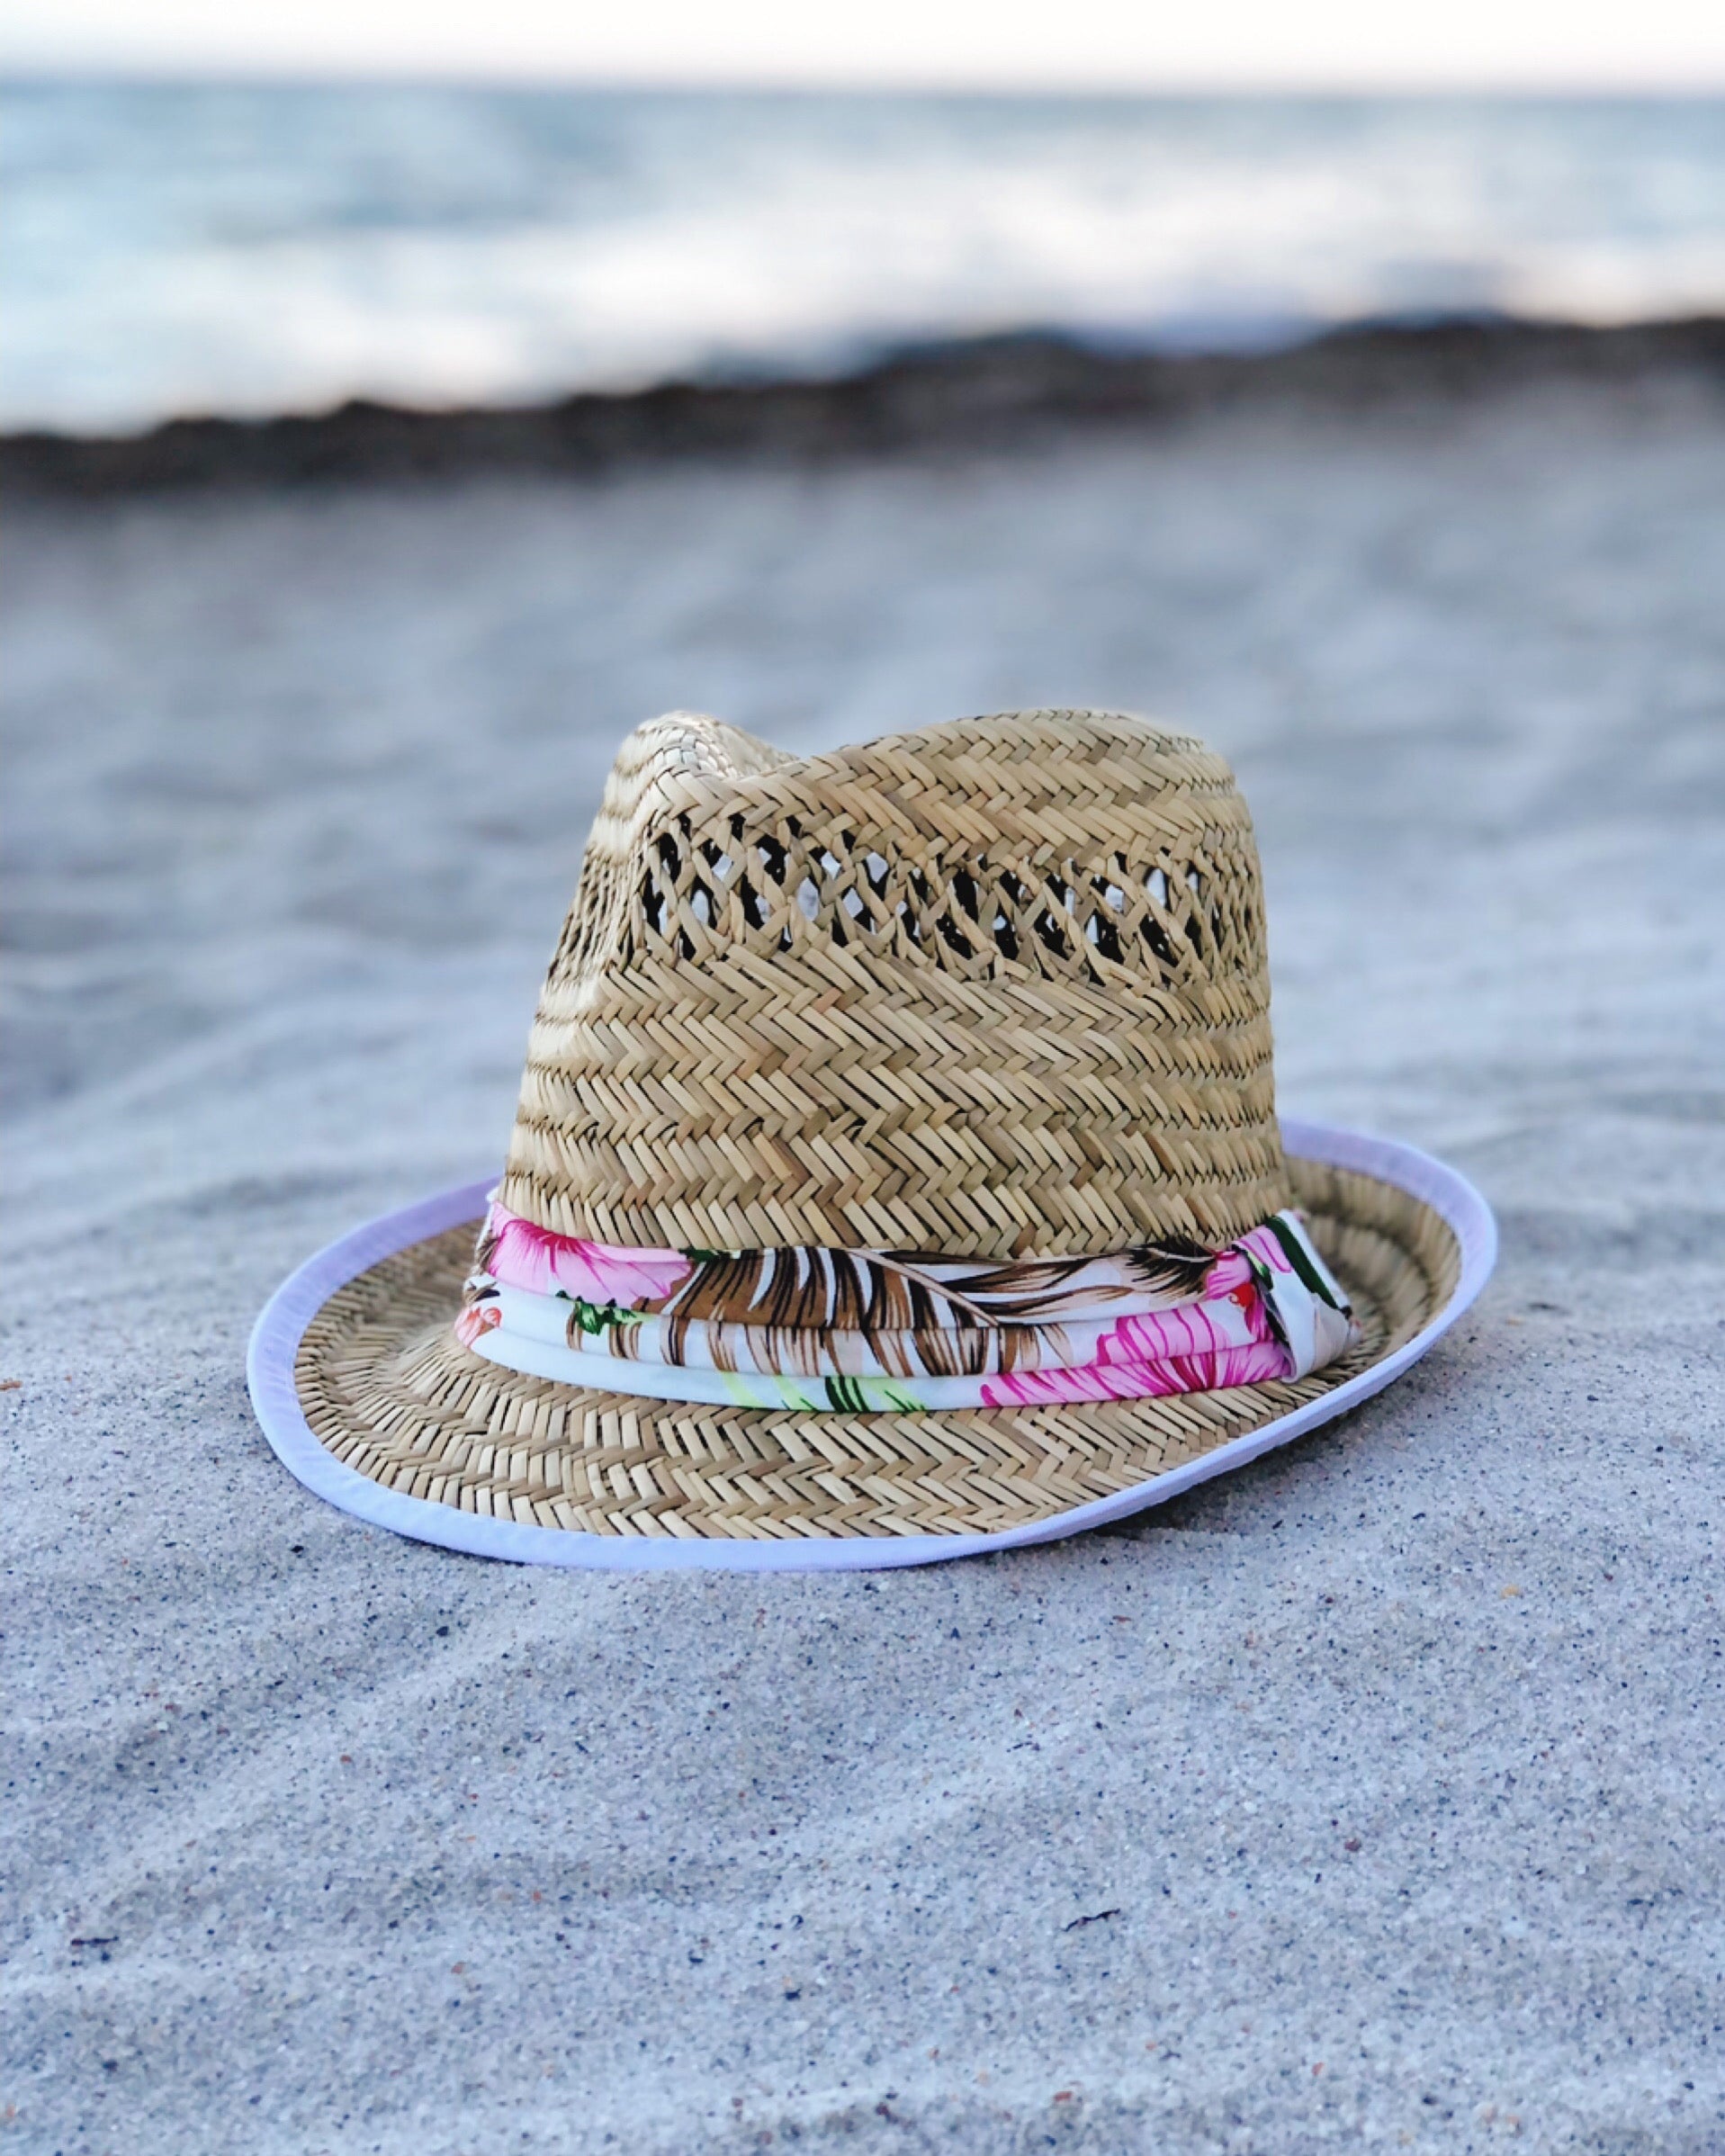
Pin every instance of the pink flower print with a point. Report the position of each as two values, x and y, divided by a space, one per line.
475 1318
1252 1364
1189 1329
1266 1246
1189 1349
521 1255
1231 1272
1231 1275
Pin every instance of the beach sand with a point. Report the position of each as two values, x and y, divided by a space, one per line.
1369 1798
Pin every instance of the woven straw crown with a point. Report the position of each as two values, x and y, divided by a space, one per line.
997 988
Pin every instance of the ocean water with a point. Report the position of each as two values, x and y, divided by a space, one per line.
171 250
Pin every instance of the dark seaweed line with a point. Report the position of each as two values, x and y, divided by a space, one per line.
963 395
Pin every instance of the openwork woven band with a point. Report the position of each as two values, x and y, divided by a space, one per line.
897 1331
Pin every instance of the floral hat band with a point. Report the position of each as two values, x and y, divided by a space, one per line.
859 1331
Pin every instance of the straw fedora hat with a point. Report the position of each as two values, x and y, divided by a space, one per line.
896 1173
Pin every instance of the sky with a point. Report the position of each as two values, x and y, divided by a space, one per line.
1628 45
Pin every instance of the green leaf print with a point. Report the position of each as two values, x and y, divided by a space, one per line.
1294 1252
863 1396
599 1318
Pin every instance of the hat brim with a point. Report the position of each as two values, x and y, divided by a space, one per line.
368 1399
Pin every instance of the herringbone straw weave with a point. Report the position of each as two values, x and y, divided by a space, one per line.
995 989
998 989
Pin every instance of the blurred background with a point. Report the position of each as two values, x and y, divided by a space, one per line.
219 212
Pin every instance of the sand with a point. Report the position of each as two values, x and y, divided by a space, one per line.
1368 1798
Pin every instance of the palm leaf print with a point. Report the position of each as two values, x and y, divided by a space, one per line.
1037 1290
1175 1266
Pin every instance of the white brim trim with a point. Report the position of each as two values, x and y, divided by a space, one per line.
277 1337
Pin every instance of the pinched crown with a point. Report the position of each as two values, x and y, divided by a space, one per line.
995 989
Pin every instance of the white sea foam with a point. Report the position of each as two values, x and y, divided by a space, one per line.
179 249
